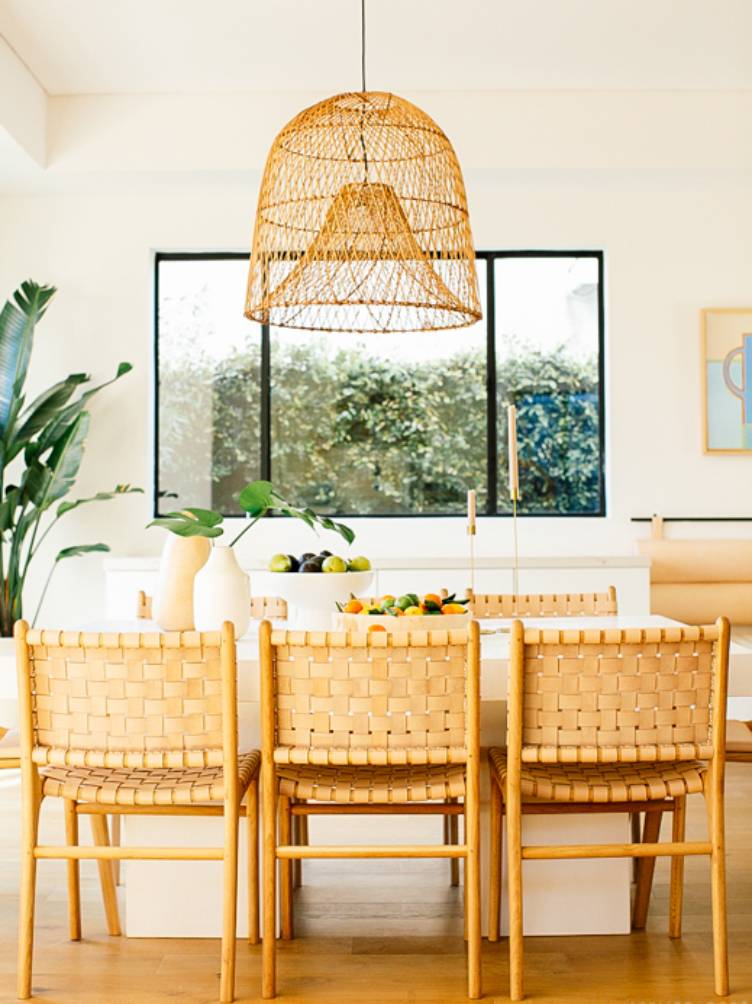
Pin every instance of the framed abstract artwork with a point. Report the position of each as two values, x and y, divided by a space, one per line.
727 378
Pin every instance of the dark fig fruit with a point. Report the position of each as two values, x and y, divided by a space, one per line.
294 563
324 554
310 566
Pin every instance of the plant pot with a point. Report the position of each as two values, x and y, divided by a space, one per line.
222 592
182 557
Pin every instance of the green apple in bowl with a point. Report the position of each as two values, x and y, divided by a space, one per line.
334 564
280 563
359 564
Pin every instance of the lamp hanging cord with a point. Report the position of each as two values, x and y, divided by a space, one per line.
363 80
363 42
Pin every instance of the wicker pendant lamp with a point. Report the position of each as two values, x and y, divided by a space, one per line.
362 223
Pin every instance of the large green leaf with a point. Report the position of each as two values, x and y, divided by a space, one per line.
42 410
65 507
191 523
8 507
16 338
44 484
57 426
256 498
79 549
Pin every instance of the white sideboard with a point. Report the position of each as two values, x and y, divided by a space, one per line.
630 575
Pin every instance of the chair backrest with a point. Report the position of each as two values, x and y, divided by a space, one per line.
379 697
127 700
607 696
543 604
143 606
262 607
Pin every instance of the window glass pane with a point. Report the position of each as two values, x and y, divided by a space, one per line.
382 424
547 365
208 403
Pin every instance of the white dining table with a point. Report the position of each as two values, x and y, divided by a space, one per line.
169 898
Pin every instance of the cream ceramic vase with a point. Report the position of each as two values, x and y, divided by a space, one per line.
182 557
222 592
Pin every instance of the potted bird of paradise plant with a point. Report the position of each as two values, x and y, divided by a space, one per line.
42 445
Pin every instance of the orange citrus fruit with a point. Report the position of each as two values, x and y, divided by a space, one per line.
433 597
376 627
353 607
453 608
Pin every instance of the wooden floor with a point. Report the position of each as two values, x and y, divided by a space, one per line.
394 935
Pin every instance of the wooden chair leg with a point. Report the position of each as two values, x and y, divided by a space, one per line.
466 902
452 832
285 868
229 904
677 869
269 942
514 890
494 879
30 828
716 826
300 831
635 820
472 895
115 841
252 819
74 887
645 870
106 878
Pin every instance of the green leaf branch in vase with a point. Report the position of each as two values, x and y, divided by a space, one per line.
256 499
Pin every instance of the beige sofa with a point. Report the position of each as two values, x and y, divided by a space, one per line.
696 581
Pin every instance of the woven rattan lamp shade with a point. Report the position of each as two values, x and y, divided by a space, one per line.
362 223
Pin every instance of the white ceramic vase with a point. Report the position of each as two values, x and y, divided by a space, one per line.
182 557
222 592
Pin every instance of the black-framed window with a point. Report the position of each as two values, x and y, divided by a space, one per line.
384 425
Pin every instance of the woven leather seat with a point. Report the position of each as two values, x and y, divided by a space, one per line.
603 721
372 784
604 782
167 786
368 723
118 724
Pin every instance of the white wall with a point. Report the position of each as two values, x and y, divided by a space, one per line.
660 182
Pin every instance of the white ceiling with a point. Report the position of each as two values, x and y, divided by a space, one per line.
138 46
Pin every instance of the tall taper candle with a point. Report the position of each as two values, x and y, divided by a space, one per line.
514 477
471 507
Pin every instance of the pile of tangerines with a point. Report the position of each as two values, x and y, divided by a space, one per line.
408 605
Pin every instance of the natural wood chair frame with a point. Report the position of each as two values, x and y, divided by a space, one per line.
270 607
508 605
310 711
132 724
555 682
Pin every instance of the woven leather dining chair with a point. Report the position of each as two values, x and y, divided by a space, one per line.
377 723
613 721
271 607
132 723
507 605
